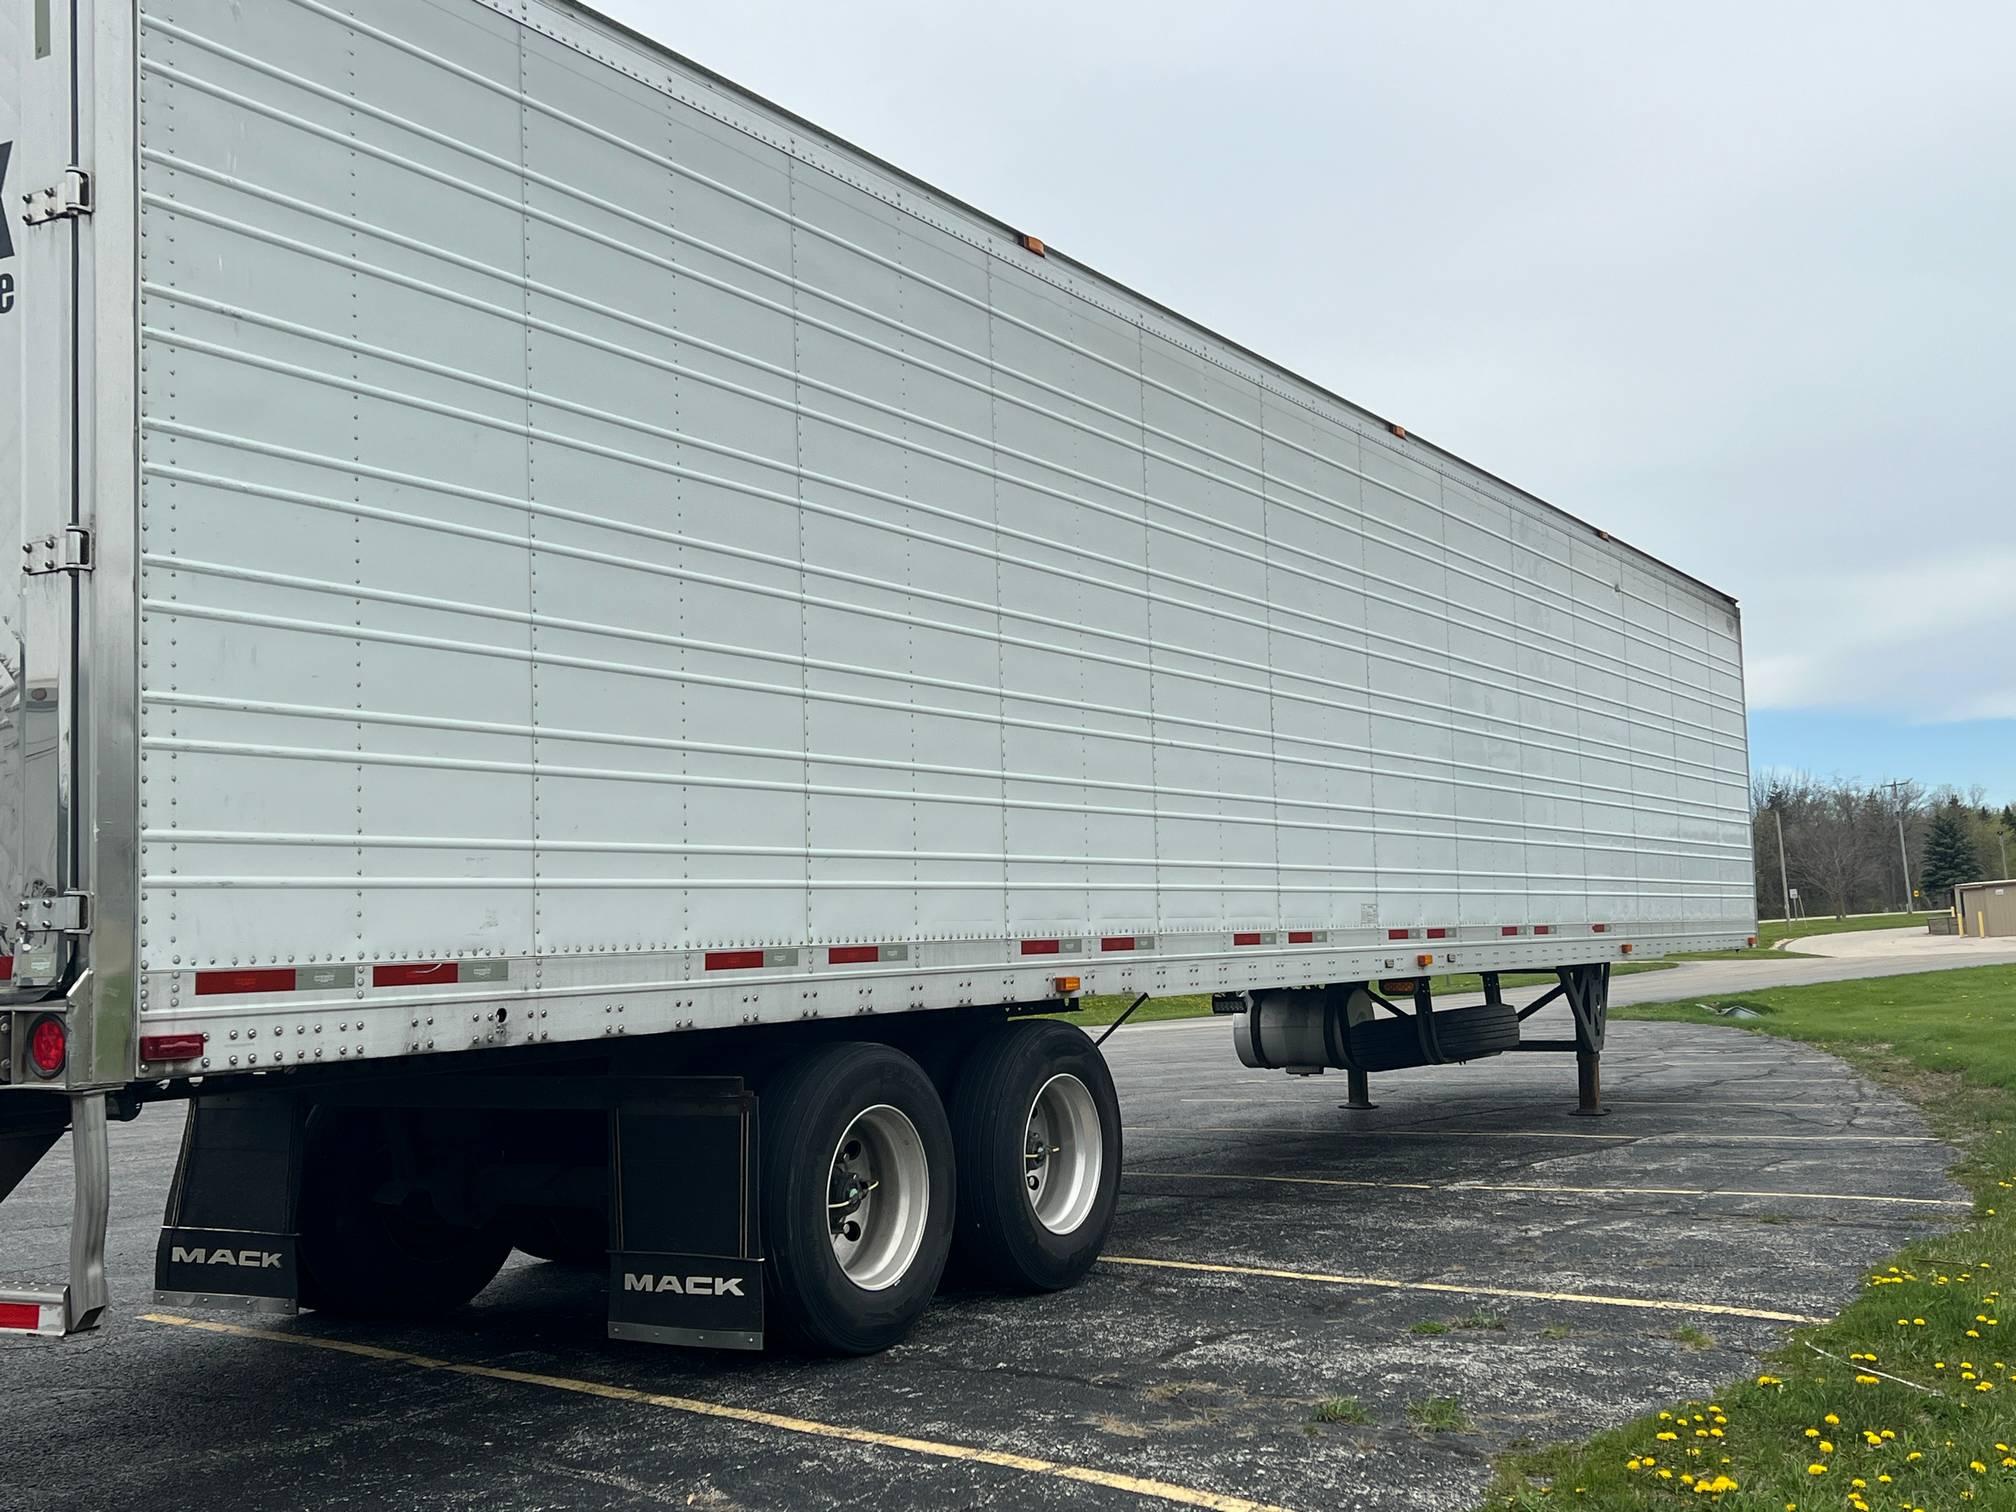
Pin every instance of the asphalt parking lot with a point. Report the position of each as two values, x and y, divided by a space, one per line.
1271 1251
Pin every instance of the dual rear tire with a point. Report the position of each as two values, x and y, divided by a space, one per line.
871 1184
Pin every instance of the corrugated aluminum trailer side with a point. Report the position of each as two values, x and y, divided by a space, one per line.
607 558
691 562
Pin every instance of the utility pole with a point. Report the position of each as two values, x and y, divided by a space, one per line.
2002 839
1785 882
1902 854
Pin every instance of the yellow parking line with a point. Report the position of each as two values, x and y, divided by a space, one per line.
1717 1104
1953 1202
1386 1283
1134 1485
1647 1137
1577 1191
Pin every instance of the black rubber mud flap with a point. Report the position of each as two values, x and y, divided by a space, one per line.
230 1237
684 1262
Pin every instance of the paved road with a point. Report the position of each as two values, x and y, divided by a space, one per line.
1270 1251
1917 945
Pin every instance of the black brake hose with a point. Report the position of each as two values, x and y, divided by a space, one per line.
1120 1020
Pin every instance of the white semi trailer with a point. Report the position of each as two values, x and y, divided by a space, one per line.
560 604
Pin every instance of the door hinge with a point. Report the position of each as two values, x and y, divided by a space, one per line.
55 913
67 199
66 550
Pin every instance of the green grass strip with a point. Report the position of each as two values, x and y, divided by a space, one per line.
1908 1399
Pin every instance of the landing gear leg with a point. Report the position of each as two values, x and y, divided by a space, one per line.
1588 992
1359 1091
1589 1084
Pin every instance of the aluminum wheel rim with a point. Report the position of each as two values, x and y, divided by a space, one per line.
1063 1154
878 1197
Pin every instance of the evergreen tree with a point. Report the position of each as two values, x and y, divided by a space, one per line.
1949 853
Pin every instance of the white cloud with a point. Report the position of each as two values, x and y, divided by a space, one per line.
1927 640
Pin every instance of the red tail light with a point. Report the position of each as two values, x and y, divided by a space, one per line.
20 1315
48 1046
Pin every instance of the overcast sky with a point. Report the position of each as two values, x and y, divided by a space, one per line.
1736 282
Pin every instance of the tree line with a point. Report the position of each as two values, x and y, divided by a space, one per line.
1847 844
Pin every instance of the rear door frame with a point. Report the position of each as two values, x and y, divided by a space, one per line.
75 905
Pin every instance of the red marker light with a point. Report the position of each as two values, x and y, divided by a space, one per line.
157 1048
48 1046
26 1315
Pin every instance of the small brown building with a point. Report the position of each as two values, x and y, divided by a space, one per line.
1986 908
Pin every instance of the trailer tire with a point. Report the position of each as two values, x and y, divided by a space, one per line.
1394 1044
367 1258
861 1124
1035 1222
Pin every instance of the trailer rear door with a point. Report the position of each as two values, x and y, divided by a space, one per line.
42 511
68 763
